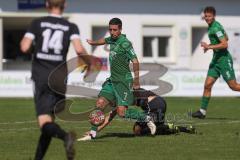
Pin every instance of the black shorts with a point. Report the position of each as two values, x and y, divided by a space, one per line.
46 100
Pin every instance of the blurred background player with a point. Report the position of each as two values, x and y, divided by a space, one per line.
51 35
117 89
221 64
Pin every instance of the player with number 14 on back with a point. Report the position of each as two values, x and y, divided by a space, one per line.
51 35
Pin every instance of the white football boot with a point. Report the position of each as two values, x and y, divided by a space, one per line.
151 125
85 138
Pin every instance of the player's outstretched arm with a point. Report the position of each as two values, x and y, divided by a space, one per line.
83 55
97 42
107 120
136 83
80 50
222 45
25 44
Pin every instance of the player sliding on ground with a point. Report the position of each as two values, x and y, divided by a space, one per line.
221 64
153 105
156 106
117 89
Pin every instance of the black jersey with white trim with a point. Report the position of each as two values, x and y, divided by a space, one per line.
51 36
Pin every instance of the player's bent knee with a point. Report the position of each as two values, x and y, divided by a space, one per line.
121 111
43 119
121 114
233 87
208 86
101 103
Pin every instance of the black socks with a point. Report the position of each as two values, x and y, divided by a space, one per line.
49 130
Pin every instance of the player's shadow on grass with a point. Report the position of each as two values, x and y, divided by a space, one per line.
119 135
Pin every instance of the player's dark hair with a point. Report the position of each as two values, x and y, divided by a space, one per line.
210 9
56 3
116 21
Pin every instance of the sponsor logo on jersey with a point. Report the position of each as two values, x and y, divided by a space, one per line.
49 57
112 54
54 26
219 34
132 52
228 74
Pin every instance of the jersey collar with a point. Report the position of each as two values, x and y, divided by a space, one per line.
212 23
121 37
55 15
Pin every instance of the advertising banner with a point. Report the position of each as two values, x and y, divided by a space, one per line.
184 83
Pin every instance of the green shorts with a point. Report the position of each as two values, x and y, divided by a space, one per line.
118 93
223 66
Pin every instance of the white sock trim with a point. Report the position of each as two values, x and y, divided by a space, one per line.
203 111
93 133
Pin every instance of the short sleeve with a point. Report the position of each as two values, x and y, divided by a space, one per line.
32 30
129 50
108 40
74 32
219 32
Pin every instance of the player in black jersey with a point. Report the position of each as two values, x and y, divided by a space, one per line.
156 106
51 36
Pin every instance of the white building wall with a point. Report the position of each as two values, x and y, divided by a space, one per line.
1 44
181 57
181 15
132 27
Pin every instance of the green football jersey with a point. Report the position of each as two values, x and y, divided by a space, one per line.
121 53
215 33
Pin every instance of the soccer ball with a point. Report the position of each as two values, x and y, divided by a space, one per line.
96 117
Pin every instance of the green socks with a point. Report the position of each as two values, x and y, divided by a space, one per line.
94 128
134 113
204 102
93 131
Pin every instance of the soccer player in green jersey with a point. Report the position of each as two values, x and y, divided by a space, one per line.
117 89
155 105
221 64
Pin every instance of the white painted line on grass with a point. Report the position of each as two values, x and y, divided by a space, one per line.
35 128
87 127
227 122
17 122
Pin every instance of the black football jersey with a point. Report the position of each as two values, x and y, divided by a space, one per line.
141 99
141 96
51 37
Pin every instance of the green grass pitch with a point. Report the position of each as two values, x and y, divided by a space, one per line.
217 136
